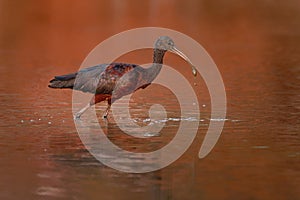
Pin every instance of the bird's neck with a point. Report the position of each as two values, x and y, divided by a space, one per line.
154 70
158 56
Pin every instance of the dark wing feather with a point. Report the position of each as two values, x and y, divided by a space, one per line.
88 78
66 77
64 81
101 79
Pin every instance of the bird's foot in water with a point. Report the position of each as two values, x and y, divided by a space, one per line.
104 116
77 116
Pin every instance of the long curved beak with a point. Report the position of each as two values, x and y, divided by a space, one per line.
175 50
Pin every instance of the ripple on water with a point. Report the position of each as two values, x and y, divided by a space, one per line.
260 147
50 191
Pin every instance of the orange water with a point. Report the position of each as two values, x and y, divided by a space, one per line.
256 45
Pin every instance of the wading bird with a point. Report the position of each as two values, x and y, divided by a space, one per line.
112 81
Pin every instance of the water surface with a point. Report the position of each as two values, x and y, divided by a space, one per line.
256 46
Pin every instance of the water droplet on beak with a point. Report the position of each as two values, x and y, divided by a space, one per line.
194 71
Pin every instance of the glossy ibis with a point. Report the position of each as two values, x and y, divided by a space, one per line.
112 81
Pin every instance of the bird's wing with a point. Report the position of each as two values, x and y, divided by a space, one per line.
128 83
101 79
87 79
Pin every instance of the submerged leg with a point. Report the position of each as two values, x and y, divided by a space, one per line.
79 113
108 108
96 99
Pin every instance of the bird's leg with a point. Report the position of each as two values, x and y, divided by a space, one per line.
108 108
95 99
79 113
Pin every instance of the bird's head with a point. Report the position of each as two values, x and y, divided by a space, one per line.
165 43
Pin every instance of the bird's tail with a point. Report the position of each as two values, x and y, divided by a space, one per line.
63 81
